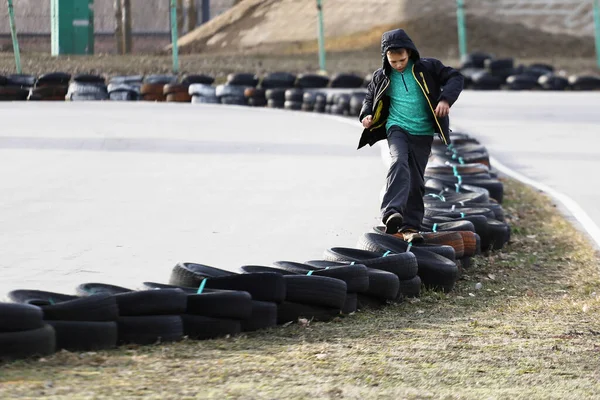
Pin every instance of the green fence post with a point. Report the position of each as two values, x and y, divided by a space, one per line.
462 31
13 32
321 36
174 47
597 29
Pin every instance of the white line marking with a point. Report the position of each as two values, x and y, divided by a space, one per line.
575 209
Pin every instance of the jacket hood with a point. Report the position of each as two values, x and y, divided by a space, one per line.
396 39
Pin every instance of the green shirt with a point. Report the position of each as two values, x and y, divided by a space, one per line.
408 106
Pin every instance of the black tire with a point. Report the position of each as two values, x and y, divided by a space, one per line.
202 79
278 80
205 100
242 79
261 286
277 94
410 288
275 103
382 284
149 329
485 81
230 91
295 95
346 81
311 81
522 82
290 312
198 327
257 102
234 100
123 95
160 79
24 344
62 307
200 89
84 335
355 276
88 78
584 82
351 303
315 290
87 97
475 60
53 78
553 82
292 105
436 272
264 315
20 317
404 265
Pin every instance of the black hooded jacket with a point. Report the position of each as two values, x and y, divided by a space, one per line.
437 81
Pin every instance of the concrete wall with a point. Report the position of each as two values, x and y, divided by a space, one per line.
33 16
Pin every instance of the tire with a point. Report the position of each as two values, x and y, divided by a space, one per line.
205 100
53 78
48 91
242 79
201 89
264 315
123 95
276 94
178 98
61 307
197 79
87 88
234 100
20 317
355 276
475 60
198 327
13 93
522 82
256 93
486 81
87 97
261 286
24 344
436 272
553 82
278 80
257 102
230 90
292 105
351 304
382 284
290 312
311 81
584 82
149 329
316 290
175 88
346 81
134 80
160 79
403 265
275 103
145 302
453 239
84 335
88 78
410 288
295 95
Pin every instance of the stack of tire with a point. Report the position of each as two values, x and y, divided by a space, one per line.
16 87
50 87
152 88
144 317
275 85
80 324
125 88
293 99
87 87
233 91
23 332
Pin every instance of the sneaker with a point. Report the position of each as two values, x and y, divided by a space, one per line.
393 223
412 235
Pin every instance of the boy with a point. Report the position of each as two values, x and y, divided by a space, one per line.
408 101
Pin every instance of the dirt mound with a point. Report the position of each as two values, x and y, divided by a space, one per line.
250 28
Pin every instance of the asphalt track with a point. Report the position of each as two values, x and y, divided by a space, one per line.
119 193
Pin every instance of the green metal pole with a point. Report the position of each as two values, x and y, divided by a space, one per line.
13 32
462 31
174 38
321 36
597 25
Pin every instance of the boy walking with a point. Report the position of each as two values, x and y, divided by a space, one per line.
408 101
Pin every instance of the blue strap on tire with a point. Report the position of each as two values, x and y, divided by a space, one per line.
386 253
408 247
309 273
201 287
434 227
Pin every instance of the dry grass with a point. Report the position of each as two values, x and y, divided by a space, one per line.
531 332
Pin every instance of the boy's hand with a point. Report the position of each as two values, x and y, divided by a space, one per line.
442 109
367 121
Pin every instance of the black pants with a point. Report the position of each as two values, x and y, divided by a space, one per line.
405 186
